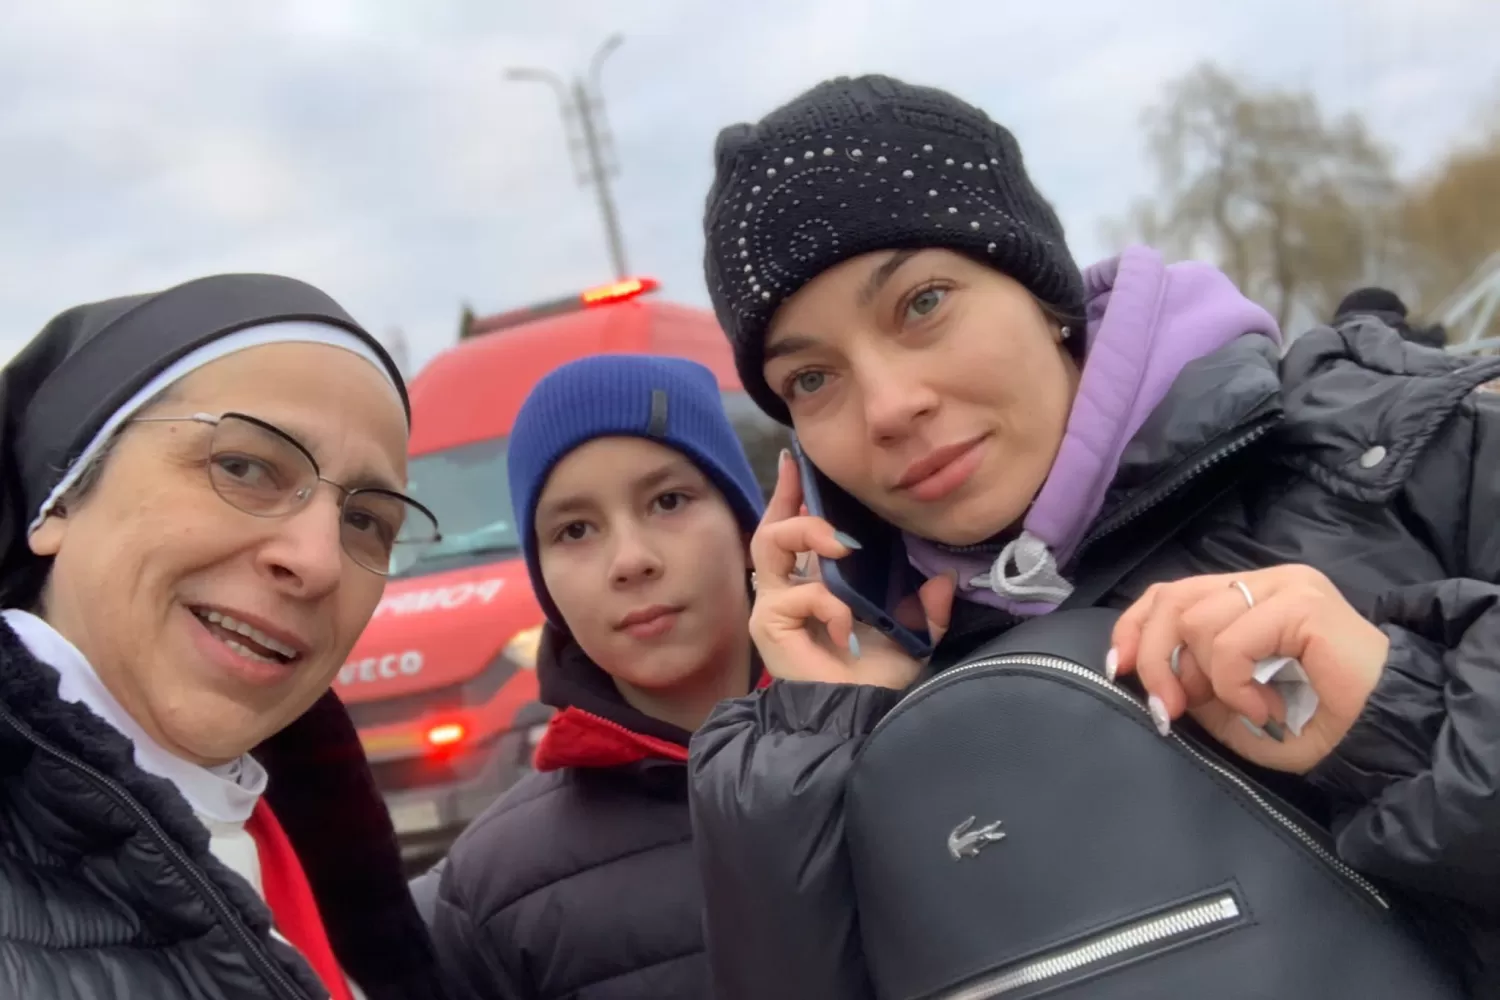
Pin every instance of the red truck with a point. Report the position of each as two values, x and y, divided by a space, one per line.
441 684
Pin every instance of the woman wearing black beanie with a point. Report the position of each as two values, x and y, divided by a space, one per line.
1282 571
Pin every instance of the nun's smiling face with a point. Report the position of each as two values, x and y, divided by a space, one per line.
152 561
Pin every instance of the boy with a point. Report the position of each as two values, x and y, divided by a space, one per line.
636 504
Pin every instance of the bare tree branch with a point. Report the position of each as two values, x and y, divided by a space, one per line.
1296 209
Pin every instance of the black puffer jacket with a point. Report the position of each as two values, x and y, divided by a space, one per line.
580 884
1379 466
108 889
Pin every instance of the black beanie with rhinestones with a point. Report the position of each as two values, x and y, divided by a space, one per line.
859 165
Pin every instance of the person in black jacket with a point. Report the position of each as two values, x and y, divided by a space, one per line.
1386 306
199 501
897 290
636 503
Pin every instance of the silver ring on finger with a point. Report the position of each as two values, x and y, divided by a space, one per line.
1244 592
1174 661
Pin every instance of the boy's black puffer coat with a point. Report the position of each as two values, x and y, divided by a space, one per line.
1380 468
580 883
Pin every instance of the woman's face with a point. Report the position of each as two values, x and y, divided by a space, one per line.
932 388
148 556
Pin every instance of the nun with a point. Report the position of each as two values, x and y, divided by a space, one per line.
201 496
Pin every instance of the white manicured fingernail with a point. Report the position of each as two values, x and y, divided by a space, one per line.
1111 663
854 645
1159 715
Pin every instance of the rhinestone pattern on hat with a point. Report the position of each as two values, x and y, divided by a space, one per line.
816 186
860 166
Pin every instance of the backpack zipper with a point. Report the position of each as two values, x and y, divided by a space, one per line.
273 974
1248 790
1174 927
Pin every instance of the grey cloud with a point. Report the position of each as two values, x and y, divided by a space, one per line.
371 147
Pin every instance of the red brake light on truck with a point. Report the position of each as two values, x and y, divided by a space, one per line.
603 295
619 291
446 735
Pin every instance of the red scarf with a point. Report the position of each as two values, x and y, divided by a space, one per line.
290 898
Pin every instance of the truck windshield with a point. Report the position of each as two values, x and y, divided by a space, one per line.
468 489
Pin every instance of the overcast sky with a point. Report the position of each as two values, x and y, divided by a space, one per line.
372 148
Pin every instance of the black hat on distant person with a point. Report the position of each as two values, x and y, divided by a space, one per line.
1370 300
1386 306
864 164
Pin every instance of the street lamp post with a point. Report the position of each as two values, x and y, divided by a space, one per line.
584 102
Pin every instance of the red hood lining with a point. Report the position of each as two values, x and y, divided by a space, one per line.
576 738
579 738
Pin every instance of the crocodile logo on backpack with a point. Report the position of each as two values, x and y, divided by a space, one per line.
967 842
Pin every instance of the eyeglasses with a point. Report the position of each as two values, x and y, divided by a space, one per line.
262 470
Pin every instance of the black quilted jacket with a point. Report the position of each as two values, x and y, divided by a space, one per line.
1410 533
108 889
580 883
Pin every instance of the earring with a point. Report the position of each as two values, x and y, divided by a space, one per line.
1065 333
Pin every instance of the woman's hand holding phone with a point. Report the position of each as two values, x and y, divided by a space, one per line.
804 632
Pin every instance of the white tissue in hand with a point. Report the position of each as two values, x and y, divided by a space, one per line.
1285 674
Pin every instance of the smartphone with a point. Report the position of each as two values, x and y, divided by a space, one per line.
874 579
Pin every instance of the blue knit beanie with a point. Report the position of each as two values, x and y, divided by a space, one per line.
671 401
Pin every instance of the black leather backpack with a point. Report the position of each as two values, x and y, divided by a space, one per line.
1017 829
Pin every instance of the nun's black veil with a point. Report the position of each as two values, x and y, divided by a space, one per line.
55 396
89 361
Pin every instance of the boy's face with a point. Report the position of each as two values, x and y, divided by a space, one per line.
646 562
